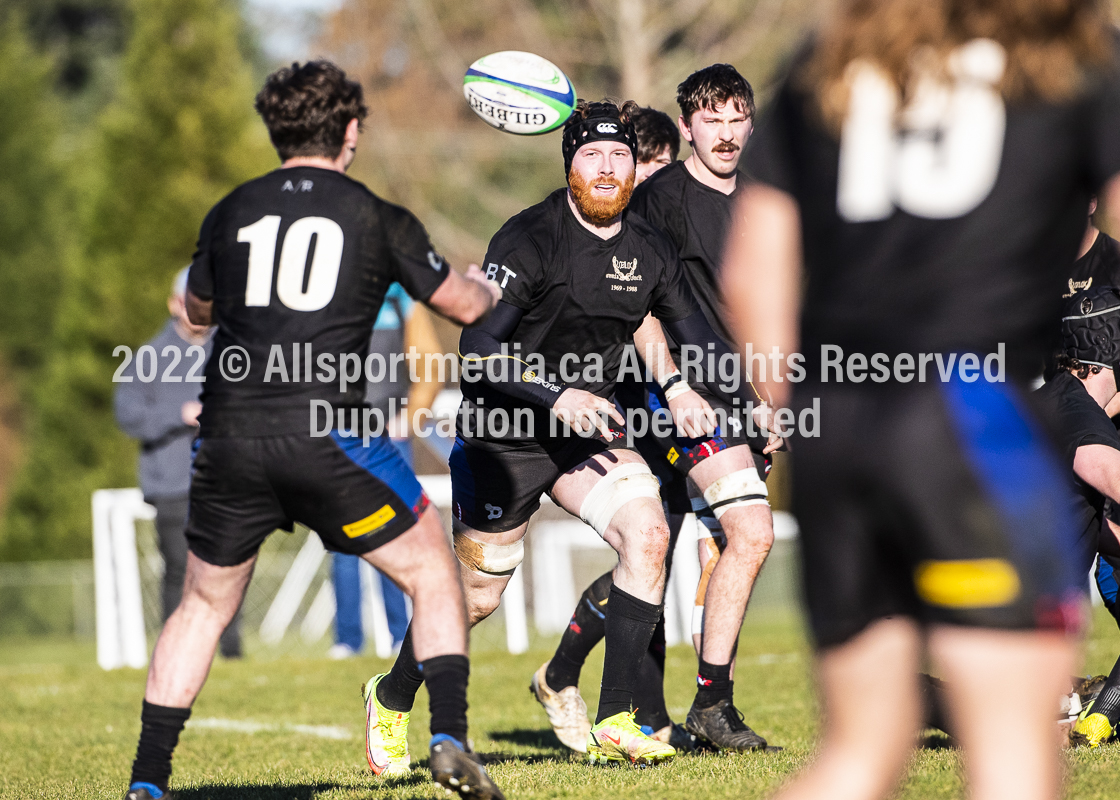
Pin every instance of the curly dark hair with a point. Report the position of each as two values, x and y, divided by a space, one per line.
713 86
306 109
656 131
1078 368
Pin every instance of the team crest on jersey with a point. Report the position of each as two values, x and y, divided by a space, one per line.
435 261
624 270
1077 286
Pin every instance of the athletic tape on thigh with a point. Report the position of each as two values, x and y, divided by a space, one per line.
488 559
710 527
741 488
614 490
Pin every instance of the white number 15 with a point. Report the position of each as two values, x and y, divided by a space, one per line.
946 161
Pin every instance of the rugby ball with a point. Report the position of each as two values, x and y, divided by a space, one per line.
519 92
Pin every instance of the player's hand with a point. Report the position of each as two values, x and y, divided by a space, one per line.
190 411
475 273
764 419
692 415
583 412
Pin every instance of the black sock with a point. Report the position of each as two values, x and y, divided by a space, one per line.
649 694
397 690
160 727
713 682
446 677
629 629
587 627
1108 701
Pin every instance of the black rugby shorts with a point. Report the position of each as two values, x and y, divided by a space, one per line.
665 454
943 502
497 485
355 497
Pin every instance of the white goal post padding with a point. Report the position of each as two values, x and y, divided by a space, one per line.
122 642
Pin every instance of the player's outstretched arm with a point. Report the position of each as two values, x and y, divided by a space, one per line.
467 298
761 277
695 330
199 312
510 375
691 412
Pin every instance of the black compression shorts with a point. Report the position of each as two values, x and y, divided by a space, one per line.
666 454
941 502
355 497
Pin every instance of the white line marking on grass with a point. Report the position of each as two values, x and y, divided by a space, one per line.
247 726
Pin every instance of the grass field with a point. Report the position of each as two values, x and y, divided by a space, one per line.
292 728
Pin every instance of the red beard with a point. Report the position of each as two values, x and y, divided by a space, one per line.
600 209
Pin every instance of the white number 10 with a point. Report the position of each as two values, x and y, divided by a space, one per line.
323 278
947 161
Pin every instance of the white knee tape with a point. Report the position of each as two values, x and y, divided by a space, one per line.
708 527
614 490
488 559
741 488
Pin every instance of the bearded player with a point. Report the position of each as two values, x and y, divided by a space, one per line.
690 202
920 186
578 275
257 464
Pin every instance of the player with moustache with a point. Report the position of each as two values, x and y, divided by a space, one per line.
257 465
691 202
920 185
579 274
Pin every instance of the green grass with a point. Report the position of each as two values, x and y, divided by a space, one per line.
68 729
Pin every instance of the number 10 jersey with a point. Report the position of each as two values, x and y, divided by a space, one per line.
297 264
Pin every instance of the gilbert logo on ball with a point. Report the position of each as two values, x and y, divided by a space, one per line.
519 92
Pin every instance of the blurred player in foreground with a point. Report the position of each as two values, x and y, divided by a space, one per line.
257 465
923 180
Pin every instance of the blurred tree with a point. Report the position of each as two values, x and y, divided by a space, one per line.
85 39
181 133
34 216
32 206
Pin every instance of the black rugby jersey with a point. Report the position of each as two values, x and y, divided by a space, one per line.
1077 421
297 263
581 294
1100 266
952 234
696 218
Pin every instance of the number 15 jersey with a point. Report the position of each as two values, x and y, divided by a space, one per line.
297 264
946 226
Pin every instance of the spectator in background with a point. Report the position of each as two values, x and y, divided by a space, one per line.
163 414
401 324
659 142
